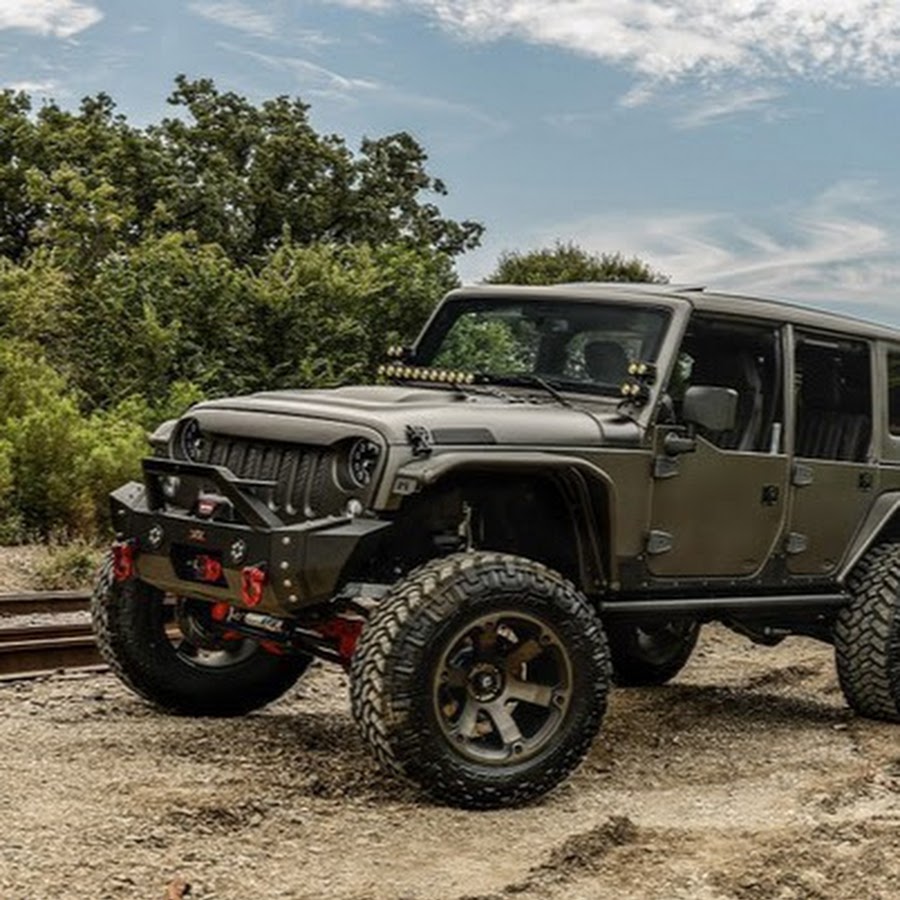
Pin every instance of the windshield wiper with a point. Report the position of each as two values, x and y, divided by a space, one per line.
528 380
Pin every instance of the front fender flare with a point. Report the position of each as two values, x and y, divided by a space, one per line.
422 474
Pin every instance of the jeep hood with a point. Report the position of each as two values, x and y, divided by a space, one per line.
322 416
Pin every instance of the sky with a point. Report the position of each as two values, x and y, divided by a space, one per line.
747 145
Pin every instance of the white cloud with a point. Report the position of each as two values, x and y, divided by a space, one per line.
233 14
31 87
841 249
668 39
725 105
317 81
60 18
255 22
314 78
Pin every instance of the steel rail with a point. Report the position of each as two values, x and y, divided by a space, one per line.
30 649
30 602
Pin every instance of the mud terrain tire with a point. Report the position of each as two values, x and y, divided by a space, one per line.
644 655
129 621
483 678
867 636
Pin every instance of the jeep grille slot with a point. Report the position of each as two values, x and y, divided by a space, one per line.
304 475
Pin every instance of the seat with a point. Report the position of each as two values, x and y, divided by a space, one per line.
825 430
605 362
735 367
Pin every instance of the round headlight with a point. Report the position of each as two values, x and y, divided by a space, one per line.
191 440
362 462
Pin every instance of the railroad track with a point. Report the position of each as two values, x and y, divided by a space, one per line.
46 646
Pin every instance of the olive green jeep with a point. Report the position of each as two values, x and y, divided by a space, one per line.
549 493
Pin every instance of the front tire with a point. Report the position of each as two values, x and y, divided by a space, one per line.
867 636
482 677
189 672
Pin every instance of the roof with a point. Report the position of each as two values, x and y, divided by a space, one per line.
701 299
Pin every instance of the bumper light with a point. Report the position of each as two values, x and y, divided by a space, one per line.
253 581
123 560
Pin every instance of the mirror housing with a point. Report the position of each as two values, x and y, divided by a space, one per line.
710 407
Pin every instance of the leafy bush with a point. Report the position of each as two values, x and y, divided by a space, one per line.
67 566
57 465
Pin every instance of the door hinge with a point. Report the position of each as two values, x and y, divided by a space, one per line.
802 475
659 542
665 467
796 543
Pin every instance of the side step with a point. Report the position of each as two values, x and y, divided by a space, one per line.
717 607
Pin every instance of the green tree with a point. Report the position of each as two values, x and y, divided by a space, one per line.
226 250
565 263
171 310
239 175
328 312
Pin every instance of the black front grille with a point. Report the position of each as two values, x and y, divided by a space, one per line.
305 484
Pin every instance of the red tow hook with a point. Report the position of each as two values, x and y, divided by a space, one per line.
124 553
253 581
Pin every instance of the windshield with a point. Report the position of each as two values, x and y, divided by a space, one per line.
572 345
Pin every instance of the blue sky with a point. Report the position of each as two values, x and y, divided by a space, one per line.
751 145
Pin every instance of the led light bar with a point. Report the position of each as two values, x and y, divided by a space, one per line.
422 373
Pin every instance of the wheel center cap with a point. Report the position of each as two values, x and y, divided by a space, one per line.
486 682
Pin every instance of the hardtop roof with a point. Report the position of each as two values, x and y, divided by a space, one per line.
697 296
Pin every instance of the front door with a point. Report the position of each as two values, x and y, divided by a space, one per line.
719 511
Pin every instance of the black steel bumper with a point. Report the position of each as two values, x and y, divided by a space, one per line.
305 563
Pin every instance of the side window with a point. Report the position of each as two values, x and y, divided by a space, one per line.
834 399
894 390
745 357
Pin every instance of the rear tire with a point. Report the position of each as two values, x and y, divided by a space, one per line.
482 677
187 677
867 636
644 655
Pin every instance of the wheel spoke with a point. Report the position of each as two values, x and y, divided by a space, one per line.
465 725
487 638
454 677
524 653
503 721
185 648
529 692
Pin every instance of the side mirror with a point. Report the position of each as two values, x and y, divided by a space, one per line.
712 408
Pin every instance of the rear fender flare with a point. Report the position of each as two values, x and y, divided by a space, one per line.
884 510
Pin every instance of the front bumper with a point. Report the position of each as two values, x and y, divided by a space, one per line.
305 563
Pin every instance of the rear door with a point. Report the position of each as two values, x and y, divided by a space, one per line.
834 480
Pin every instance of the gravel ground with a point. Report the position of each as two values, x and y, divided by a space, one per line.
18 566
747 777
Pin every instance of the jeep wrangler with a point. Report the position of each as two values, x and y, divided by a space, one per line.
549 493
